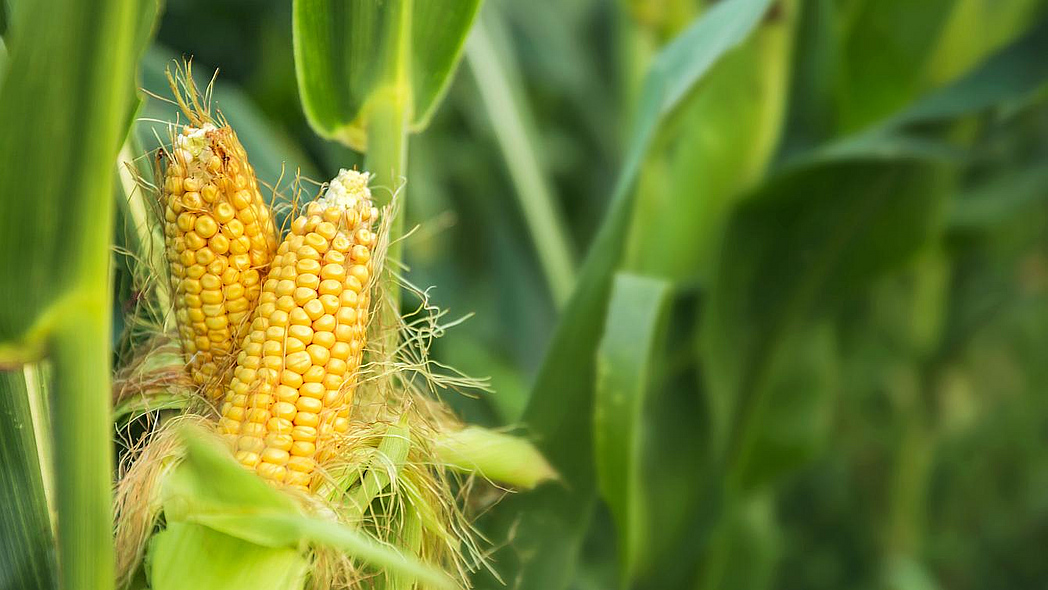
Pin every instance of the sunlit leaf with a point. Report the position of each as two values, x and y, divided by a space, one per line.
186 555
497 456
718 147
341 58
998 22
67 91
211 489
636 319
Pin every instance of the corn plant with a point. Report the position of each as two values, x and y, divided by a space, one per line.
740 294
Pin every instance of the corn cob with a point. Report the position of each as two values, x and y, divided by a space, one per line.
293 384
220 240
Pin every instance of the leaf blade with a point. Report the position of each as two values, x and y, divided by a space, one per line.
63 130
211 489
27 557
549 534
343 51
637 316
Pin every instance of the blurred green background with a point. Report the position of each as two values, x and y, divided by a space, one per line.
826 341
903 438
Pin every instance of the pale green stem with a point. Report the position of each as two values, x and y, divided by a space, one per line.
83 452
913 464
912 469
510 119
388 118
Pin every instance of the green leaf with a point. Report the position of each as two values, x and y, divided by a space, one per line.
133 408
637 316
998 23
3 60
810 118
343 52
194 556
1002 76
27 556
500 91
1012 75
720 146
744 547
4 19
211 489
410 536
1000 198
438 32
796 421
807 239
64 136
497 456
383 468
882 64
553 517
64 101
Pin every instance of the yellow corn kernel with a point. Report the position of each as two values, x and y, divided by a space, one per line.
211 279
307 336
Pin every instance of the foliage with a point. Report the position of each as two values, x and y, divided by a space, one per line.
804 344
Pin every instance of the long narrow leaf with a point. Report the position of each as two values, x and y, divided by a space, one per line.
828 223
512 123
718 148
64 102
824 232
636 320
1013 74
27 557
551 519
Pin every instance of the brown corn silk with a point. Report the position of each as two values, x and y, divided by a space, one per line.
220 241
292 388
